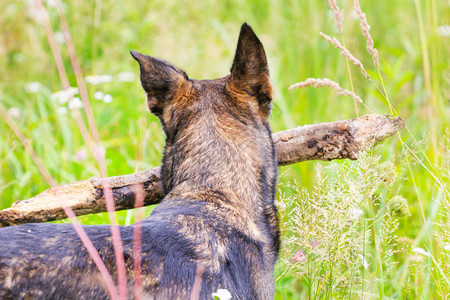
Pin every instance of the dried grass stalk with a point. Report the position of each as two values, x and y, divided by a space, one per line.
365 27
338 14
346 53
317 82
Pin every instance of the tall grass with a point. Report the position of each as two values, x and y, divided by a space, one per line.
340 237
387 251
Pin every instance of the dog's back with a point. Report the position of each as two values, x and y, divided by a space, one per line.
219 175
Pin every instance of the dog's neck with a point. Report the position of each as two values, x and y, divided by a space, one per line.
209 156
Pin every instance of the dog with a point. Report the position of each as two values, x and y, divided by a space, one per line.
218 215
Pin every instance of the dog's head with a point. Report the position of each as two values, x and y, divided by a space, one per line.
224 119
170 91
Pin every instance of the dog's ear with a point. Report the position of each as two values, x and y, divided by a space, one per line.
159 78
250 71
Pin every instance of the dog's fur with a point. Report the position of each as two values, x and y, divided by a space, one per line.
219 174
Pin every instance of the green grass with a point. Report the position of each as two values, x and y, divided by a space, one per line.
201 37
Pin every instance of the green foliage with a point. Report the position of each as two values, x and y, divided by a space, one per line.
340 234
407 255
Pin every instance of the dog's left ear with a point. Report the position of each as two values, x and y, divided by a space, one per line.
250 71
160 80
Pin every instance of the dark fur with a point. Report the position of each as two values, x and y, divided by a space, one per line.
219 174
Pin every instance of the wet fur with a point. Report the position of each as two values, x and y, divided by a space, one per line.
219 175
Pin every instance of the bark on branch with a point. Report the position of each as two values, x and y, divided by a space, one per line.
323 141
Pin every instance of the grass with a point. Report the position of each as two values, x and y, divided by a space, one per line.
412 81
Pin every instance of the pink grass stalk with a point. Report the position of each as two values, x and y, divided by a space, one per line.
197 286
98 155
338 14
117 241
137 241
365 27
93 253
69 212
325 82
77 71
93 143
344 52
62 71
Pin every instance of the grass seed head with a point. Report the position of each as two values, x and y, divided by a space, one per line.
344 52
365 27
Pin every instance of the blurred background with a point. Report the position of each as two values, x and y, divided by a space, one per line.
412 37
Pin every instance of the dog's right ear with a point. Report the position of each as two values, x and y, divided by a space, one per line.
250 71
159 78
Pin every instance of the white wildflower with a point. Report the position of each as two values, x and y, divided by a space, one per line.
447 247
421 251
99 95
59 38
51 3
64 95
107 98
32 13
126 76
33 87
222 294
443 30
97 79
61 110
14 112
356 213
75 103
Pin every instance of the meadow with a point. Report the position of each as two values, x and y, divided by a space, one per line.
374 228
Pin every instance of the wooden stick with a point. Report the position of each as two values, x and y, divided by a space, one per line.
323 141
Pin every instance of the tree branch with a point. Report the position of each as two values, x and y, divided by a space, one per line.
323 141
